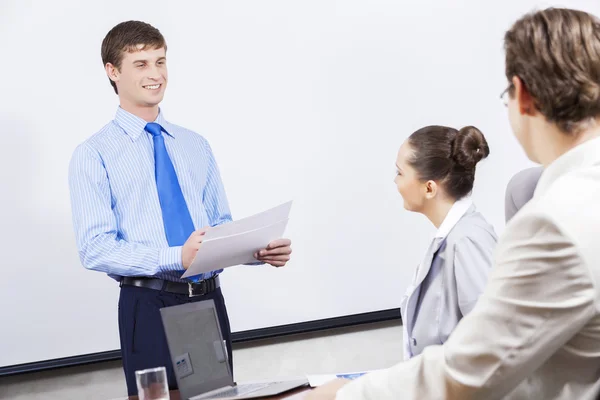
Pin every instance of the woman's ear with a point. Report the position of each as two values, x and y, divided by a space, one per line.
430 189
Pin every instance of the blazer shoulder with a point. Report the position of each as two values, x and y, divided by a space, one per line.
472 227
571 205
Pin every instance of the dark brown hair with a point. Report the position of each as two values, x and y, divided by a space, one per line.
130 36
448 156
556 53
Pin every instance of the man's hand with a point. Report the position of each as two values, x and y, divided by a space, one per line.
327 391
277 253
191 246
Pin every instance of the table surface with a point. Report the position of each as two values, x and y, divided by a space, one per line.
290 395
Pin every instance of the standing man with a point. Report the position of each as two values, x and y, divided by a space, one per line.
143 192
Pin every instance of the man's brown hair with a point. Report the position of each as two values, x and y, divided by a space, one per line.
130 36
556 53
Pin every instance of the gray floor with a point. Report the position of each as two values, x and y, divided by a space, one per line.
349 349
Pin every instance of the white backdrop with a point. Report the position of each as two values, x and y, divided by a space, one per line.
304 100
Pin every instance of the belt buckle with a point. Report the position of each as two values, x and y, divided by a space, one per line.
203 286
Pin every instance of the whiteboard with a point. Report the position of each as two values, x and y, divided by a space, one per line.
301 100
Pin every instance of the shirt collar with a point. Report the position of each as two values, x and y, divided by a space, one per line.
458 209
584 155
134 125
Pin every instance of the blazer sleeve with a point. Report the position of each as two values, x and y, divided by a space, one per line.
472 264
540 294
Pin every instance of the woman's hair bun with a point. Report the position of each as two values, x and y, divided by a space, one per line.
469 147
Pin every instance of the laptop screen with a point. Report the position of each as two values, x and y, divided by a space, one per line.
197 350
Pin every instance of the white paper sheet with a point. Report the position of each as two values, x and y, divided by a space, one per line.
260 220
318 380
229 251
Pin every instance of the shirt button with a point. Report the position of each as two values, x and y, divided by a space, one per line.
414 341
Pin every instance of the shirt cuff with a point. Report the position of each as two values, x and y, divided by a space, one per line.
169 259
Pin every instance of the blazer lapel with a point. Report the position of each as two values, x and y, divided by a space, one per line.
408 306
426 263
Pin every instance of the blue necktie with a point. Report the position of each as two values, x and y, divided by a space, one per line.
176 216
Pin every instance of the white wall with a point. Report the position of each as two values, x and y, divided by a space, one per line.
305 100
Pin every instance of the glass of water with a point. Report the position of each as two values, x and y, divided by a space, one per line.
152 384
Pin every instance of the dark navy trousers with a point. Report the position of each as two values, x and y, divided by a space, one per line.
143 341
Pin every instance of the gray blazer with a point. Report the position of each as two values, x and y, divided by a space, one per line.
520 190
450 287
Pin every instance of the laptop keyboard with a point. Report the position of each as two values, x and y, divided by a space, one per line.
241 390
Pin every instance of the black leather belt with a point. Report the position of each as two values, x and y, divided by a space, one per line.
191 289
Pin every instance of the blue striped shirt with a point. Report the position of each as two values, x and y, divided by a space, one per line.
116 212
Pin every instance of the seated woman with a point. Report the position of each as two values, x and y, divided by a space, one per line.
435 175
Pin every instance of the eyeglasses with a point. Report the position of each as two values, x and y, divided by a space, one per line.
504 95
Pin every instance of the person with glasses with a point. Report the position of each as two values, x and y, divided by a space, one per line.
535 330
435 176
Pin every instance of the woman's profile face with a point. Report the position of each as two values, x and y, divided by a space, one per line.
409 186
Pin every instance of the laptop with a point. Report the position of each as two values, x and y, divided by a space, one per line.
200 359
